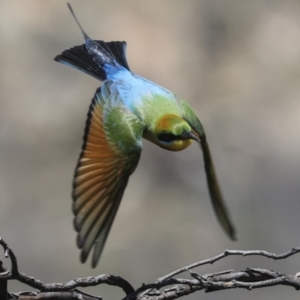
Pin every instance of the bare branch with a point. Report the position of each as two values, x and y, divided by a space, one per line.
72 284
3 284
165 288
248 279
73 295
230 253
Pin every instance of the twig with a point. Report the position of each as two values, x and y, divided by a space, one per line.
9 253
230 253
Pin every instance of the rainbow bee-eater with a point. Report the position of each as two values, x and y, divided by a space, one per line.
125 109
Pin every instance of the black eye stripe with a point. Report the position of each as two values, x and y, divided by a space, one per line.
167 137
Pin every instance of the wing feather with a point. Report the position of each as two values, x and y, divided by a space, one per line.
102 172
214 190
99 244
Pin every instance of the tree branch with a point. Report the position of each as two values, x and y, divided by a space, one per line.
72 295
230 253
165 288
3 284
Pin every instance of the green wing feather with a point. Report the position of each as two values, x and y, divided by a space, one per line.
212 181
110 154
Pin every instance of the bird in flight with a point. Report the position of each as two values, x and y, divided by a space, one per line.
125 109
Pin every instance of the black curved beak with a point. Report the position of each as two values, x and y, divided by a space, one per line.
190 135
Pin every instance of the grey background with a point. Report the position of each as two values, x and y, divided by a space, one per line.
236 62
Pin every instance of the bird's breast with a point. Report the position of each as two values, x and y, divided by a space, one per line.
176 145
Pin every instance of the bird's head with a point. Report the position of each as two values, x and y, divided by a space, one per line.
174 133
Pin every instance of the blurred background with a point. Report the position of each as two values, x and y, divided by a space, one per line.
236 62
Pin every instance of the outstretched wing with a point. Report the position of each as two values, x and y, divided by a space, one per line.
110 154
212 181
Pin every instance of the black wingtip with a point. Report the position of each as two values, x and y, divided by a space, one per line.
232 235
83 256
95 262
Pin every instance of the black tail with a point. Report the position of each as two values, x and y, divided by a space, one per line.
94 55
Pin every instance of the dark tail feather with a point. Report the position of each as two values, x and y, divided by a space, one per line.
93 55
